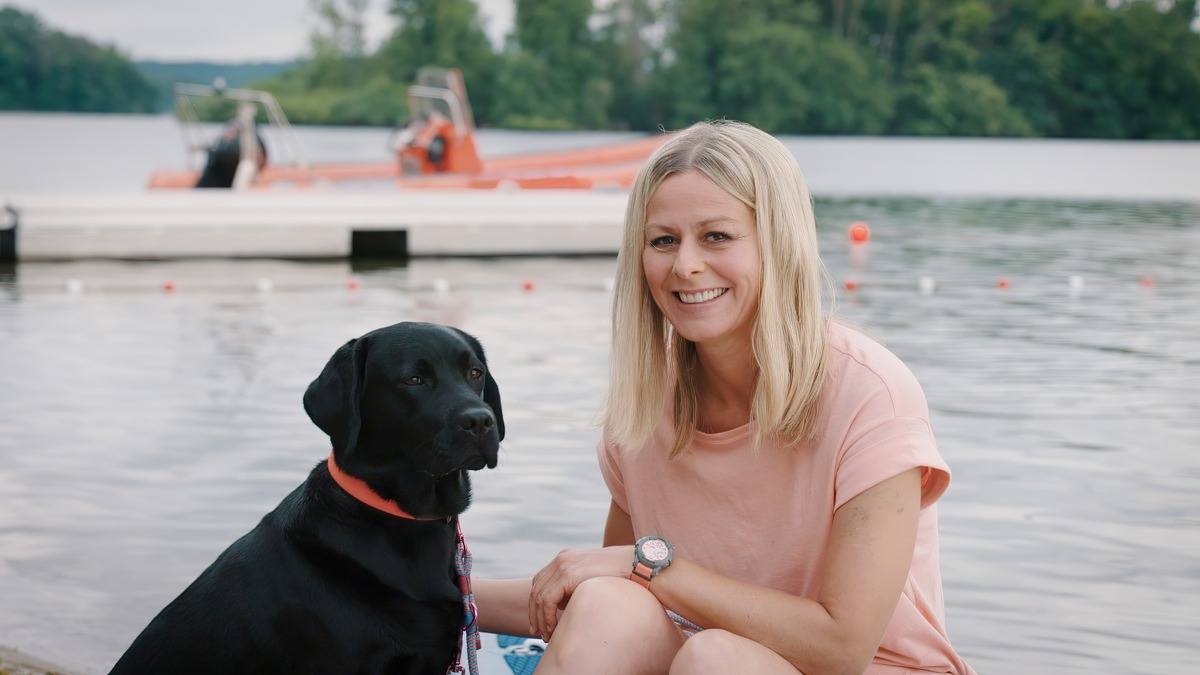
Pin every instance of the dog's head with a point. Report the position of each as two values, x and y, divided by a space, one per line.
410 408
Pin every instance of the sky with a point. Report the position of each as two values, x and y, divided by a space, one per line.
216 30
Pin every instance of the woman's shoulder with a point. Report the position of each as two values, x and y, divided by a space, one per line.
853 344
860 363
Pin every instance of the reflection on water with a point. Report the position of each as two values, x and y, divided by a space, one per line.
144 430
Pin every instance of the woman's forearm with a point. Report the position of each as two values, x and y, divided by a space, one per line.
503 605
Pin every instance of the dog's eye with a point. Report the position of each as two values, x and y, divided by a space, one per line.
475 373
413 381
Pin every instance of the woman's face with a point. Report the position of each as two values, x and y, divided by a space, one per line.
701 260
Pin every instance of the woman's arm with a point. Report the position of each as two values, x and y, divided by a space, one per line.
870 552
618 529
503 605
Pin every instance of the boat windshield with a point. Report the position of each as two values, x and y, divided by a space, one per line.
440 92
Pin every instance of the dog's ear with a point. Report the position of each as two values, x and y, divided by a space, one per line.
491 396
491 392
333 400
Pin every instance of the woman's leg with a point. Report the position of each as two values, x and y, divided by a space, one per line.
721 652
611 625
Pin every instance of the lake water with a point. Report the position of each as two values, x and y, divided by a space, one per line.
142 431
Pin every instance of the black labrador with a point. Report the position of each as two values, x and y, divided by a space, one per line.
326 583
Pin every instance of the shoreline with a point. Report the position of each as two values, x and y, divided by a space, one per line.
17 662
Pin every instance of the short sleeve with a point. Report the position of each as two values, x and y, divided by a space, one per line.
889 449
888 433
610 468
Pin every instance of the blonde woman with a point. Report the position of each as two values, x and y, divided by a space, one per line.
773 473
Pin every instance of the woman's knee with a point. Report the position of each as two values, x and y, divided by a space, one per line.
612 604
611 625
719 651
708 651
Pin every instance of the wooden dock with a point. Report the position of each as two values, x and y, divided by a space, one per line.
271 224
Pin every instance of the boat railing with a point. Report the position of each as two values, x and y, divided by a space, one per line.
284 138
453 104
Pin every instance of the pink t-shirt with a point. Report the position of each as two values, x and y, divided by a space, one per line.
721 504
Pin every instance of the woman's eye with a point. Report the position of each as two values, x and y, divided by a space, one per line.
718 236
475 373
662 242
414 381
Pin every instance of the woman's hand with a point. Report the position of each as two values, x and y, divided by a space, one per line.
553 586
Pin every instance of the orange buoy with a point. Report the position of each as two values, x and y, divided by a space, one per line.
528 285
859 232
1002 282
168 286
1147 281
850 285
352 285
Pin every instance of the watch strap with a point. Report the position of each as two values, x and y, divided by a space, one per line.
642 573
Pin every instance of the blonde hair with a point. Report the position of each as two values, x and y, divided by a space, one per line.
790 329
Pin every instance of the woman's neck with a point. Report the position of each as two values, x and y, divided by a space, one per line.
726 380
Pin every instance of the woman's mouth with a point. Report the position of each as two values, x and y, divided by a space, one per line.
700 296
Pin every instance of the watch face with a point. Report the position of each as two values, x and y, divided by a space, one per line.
655 550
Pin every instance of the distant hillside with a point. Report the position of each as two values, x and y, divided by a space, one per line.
164 75
45 69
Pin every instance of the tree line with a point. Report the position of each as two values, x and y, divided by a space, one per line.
1057 68
44 69
1045 68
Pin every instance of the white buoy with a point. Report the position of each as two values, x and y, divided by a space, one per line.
1075 285
74 286
441 285
264 286
926 285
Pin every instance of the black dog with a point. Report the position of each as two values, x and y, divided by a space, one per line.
326 583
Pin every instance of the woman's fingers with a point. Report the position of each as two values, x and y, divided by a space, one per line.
549 590
553 585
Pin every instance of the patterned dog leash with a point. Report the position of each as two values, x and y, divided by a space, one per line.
470 631
358 489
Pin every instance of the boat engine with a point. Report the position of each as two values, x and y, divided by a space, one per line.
425 145
224 155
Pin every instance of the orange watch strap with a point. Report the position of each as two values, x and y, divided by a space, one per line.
642 573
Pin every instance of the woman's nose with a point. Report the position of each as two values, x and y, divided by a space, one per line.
689 259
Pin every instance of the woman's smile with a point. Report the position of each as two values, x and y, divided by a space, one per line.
700 296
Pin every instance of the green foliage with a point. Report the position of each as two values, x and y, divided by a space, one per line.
1075 68
42 69
828 87
378 102
934 103
1133 72
554 77
529 100
445 33
341 31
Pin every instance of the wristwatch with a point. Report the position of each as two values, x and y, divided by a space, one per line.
651 554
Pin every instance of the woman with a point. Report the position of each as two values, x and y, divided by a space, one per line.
775 469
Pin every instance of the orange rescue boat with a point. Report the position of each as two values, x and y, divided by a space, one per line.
435 150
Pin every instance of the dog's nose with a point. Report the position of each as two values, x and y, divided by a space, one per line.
478 423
